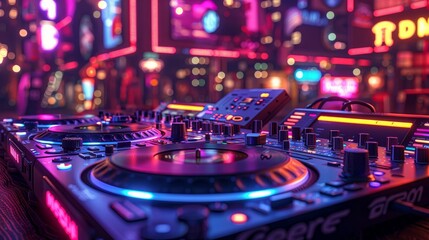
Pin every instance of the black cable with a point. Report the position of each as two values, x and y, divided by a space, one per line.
409 207
358 102
334 99
311 105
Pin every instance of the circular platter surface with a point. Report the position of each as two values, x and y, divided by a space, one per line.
100 134
199 172
48 120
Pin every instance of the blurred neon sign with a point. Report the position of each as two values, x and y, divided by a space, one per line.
50 7
340 86
49 36
310 75
112 23
407 29
62 216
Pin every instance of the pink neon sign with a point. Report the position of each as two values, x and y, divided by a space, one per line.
50 7
49 36
340 86
62 216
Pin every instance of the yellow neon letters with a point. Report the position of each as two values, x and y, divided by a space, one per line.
383 30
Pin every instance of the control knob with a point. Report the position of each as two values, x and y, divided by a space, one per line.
356 165
305 131
178 132
282 135
71 143
310 140
422 155
332 134
256 126
195 216
206 126
296 133
337 143
273 129
391 141
397 153
363 138
372 148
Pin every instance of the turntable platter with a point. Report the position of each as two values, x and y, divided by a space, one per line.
100 134
48 120
199 172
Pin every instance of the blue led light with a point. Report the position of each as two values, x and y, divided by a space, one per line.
211 21
259 194
138 194
18 124
410 148
220 197
310 75
21 133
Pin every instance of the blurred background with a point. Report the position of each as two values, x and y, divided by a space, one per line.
74 56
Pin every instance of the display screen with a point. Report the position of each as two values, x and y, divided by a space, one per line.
61 215
349 127
14 153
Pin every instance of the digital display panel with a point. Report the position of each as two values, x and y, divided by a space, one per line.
111 16
378 129
14 153
61 215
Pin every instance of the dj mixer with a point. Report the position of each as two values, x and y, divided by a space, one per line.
316 174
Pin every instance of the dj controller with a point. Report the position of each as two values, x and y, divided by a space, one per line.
223 170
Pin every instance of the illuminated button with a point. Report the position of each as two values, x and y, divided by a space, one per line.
337 183
232 107
61 160
332 192
264 95
382 180
54 151
44 146
239 218
237 118
229 117
84 155
258 103
353 187
245 107
379 173
375 184
64 166
129 211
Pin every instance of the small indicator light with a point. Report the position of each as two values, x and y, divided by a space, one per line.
239 218
64 166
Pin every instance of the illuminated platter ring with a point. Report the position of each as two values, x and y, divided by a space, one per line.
49 120
100 134
199 172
